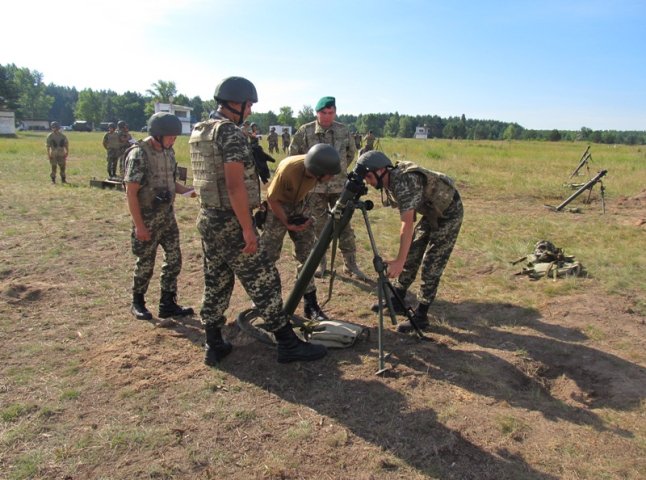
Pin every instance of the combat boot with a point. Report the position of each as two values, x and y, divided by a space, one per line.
215 347
168 306
312 309
320 272
53 178
63 180
399 308
420 318
350 267
138 307
293 349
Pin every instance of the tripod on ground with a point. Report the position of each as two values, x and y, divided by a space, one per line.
339 217
385 290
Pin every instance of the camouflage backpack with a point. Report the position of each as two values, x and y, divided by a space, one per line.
549 261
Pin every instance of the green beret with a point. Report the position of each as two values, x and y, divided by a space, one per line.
325 102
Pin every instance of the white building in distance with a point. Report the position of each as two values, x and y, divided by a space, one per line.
180 111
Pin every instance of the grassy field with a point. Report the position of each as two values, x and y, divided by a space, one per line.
526 379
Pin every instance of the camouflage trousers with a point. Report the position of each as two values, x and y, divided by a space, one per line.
122 163
57 161
113 159
163 231
273 146
319 204
222 244
274 233
431 248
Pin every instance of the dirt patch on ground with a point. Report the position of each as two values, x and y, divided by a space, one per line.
498 391
637 206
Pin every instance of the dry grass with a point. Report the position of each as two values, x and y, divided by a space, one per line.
538 380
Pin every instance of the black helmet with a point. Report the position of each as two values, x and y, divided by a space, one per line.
323 159
55 125
121 124
163 123
272 129
235 89
112 125
374 160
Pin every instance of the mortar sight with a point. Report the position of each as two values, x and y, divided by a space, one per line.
355 182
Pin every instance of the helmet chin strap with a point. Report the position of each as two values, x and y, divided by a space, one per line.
160 139
380 179
380 186
239 113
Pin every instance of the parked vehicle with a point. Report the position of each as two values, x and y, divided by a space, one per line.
82 126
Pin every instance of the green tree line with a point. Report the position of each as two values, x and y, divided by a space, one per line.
24 91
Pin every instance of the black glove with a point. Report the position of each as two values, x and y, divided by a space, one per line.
261 158
260 217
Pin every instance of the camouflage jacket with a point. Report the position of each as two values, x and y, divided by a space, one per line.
57 142
339 137
411 187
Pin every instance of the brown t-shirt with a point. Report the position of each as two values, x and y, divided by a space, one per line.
290 185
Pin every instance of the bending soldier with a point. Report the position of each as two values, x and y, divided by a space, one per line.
294 178
227 182
432 195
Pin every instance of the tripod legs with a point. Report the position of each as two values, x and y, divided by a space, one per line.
385 293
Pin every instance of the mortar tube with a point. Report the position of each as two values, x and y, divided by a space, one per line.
344 207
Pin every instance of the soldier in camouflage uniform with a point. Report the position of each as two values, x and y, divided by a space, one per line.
324 196
125 142
272 139
113 147
369 140
357 140
432 195
253 135
226 179
286 137
57 151
295 177
150 178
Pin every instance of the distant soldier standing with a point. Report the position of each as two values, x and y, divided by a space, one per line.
253 135
324 196
432 195
294 178
369 140
226 179
286 139
57 151
125 142
272 138
112 145
357 140
150 178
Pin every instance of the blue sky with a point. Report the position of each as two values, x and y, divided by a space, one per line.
543 64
